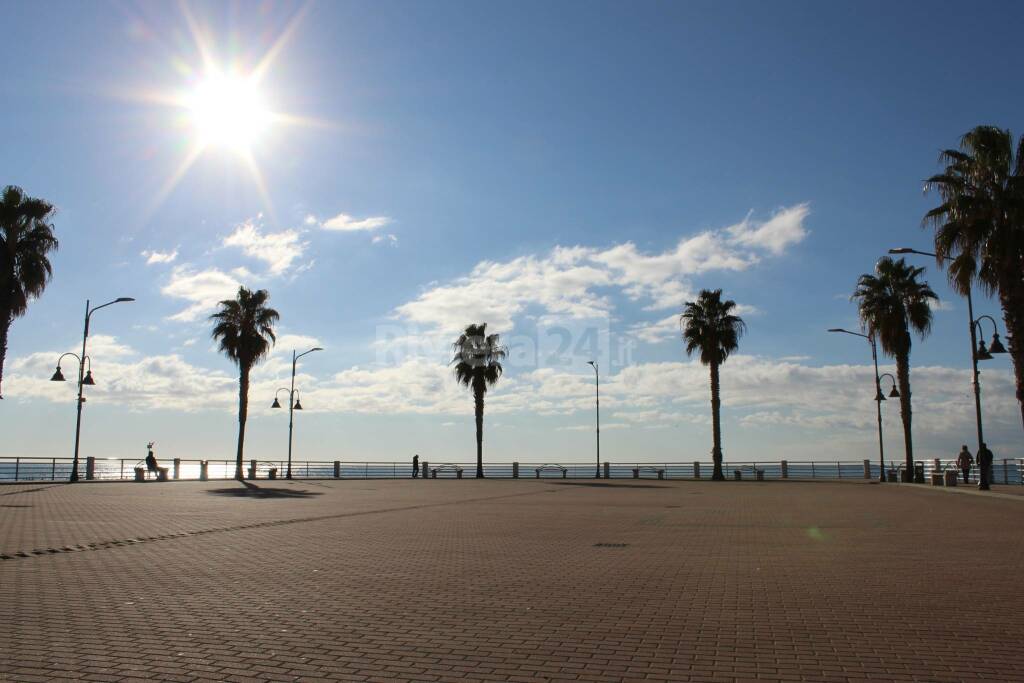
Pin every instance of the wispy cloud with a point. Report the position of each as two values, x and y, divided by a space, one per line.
346 223
278 250
202 289
154 257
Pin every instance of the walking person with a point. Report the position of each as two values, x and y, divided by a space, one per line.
984 467
415 465
964 461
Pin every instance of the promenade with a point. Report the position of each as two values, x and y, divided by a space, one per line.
512 580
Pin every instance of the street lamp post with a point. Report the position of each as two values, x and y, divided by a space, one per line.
878 396
977 352
84 378
597 414
293 405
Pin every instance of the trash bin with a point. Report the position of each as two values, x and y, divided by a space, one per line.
951 476
140 474
737 475
918 472
890 476
759 476
272 473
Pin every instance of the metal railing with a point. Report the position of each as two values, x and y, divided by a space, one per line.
28 469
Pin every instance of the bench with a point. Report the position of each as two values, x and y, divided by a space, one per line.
142 470
737 473
268 468
446 468
660 472
551 468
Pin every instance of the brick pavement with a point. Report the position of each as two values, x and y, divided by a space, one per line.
504 580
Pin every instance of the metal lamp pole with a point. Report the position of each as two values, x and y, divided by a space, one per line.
597 414
82 377
878 396
292 402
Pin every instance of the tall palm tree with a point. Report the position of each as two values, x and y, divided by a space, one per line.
477 362
710 327
980 225
26 239
244 326
891 303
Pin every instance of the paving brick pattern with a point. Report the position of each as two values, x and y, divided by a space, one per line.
506 581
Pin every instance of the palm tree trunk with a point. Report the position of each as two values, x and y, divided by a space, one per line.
478 398
243 411
5 325
903 377
1012 300
716 426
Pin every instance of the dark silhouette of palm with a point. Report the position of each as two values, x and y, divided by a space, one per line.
891 303
244 326
26 239
980 225
477 362
710 327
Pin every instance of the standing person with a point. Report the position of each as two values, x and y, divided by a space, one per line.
415 465
984 466
964 462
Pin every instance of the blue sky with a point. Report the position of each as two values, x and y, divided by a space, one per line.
567 172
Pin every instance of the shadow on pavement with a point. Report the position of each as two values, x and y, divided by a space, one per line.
250 490
618 486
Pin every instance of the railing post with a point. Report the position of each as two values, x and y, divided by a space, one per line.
515 470
337 469
839 469
607 470
812 469
867 469
1006 472
785 469
53 469
696 470
203 470
252 469
17 466
177 468
121 475
90 468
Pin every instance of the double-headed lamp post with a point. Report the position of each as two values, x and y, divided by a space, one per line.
293 405
978 351
597 414
84 376
878 396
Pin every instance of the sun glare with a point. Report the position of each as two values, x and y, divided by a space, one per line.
228 111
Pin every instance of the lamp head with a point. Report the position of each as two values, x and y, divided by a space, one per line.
298 406
997 346
901 250
122 299
983 353
58 376
88 381
276 403
879 396
894 393
317 348
836 329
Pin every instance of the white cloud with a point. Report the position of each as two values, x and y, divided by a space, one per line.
278 250
346 223
568 281
203 289
389 239
153 257
655 333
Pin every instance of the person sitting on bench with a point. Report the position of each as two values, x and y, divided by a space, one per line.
153 466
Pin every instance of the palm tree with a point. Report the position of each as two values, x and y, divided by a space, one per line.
891 303
26 238
980 225
477 362
709 327
244 326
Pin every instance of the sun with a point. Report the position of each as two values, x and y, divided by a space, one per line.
228 111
